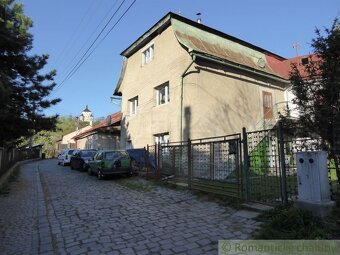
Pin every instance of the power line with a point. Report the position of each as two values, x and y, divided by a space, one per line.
88 39
101 41
84 58
72 37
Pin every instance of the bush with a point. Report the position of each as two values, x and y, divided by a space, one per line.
292 223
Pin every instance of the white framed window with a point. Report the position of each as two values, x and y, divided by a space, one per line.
147 55
162 94
162 138
133 103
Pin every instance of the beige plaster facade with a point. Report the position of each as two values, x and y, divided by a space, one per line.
99 141
217 99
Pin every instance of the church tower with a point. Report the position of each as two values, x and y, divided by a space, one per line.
86 116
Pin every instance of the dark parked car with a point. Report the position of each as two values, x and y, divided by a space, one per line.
110 162
81 158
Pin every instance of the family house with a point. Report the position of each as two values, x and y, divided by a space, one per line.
67 141
182 79
105 135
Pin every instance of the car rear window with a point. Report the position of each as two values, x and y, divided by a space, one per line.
88 153
110 155
115 154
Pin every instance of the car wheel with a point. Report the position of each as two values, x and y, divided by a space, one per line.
58 163
100 176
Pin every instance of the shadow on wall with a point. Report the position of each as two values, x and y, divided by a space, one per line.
126 141
229 116
187 123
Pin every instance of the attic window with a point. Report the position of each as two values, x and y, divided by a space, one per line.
147 55
304 61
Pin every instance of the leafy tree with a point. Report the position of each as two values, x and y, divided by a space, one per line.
317 91
23 90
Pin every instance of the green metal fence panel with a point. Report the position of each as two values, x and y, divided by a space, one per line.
264 166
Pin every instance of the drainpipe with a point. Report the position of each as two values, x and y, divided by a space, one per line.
181 99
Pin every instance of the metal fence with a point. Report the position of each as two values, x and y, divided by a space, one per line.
209 164
264 173
271 172
9 156
255 166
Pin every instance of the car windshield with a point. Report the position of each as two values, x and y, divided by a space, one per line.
88 153
70 152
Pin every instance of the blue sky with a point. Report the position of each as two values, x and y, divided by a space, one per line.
63 28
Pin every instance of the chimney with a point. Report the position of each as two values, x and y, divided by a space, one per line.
199 20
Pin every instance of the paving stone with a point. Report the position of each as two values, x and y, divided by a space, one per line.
87 216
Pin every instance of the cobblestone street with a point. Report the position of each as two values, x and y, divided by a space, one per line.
54 210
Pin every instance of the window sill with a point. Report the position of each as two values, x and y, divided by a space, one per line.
161 105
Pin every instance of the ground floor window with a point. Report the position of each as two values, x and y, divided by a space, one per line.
162 138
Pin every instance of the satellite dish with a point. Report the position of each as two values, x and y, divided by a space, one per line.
261 63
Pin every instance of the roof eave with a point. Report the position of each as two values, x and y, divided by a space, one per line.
144 39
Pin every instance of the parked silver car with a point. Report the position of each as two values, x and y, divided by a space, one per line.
64 157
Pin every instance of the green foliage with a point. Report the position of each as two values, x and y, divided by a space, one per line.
286 223
65 125
317 90
259 162
23 90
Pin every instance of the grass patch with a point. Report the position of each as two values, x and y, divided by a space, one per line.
5 188
287 222
136 183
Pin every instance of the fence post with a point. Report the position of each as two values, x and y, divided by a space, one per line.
146 160
189 164
284 195
245 164
159 160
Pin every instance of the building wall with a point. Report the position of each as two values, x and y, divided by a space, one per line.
220 101
289 96
217 100
67 139
99 142
170 61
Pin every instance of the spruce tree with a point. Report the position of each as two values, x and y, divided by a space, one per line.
24 90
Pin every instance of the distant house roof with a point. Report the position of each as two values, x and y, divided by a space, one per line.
112 120
196 37
284 67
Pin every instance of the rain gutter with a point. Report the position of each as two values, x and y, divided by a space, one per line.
181 99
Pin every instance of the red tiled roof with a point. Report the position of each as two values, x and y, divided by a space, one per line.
283 68
115 120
